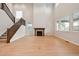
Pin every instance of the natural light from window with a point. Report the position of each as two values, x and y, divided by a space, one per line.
76 21
19 14
63 24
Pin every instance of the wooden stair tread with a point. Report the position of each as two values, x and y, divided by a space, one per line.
4 36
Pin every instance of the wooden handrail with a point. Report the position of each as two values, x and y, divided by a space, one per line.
11 31
23 21
8 12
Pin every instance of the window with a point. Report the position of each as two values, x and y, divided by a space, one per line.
19 14
76 21
63 24
29 26
57 25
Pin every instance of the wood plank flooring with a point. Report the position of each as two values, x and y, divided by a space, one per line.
38 46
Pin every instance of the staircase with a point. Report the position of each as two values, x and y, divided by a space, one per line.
14 28
4 36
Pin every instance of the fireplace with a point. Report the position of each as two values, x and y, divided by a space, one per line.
39 31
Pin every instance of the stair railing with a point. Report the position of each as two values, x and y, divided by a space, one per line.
12 30
8 12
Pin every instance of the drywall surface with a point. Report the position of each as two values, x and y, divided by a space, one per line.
43 17
66 9
5 22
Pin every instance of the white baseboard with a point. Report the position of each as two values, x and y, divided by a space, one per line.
67 40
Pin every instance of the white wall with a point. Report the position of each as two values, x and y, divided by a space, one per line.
65 9
25 7
43 17
5 22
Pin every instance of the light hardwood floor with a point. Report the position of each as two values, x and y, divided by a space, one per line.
38 46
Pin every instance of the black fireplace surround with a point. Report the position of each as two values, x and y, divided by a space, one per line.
39 31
